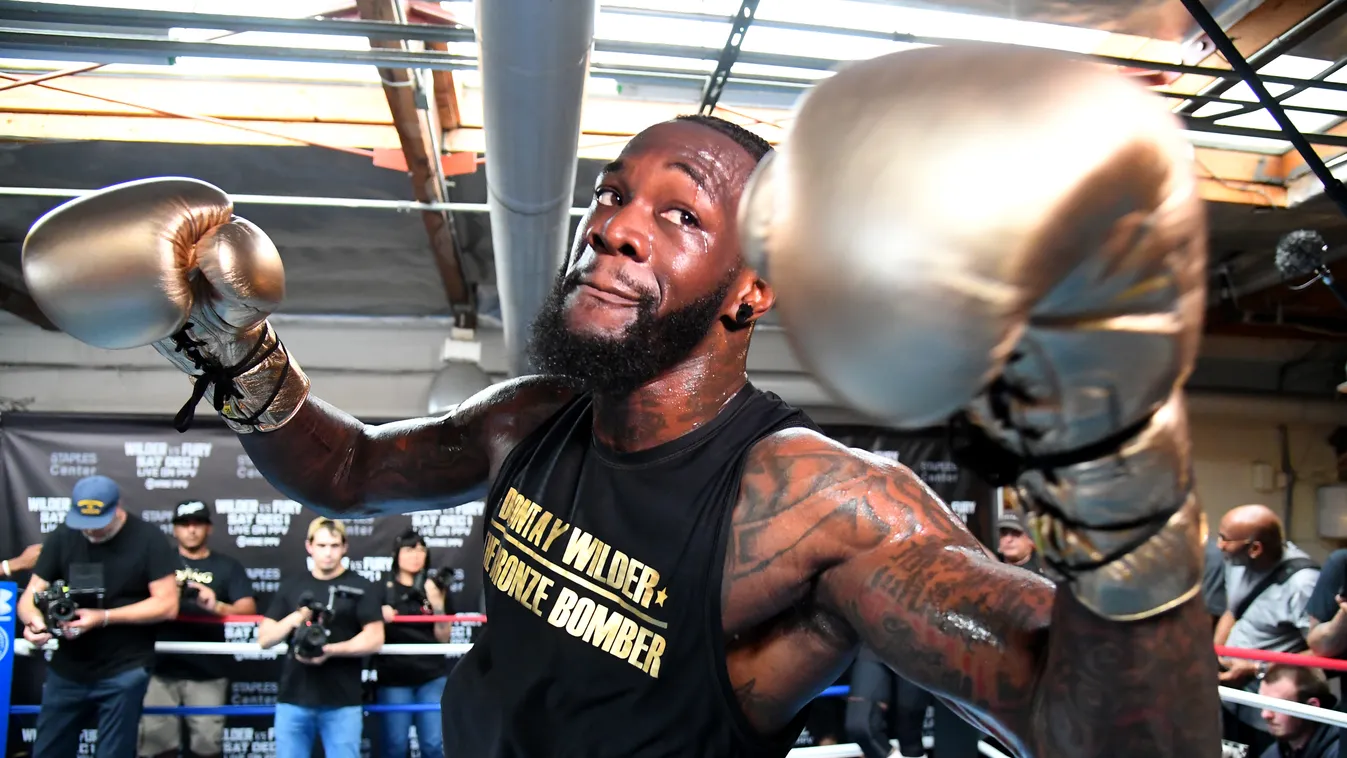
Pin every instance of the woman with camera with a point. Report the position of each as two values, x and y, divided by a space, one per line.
404 679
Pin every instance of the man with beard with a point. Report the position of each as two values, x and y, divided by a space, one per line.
678 562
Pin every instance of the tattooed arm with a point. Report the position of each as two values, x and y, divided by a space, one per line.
333 463
1004 646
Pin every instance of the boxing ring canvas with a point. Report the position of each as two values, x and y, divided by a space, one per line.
43 455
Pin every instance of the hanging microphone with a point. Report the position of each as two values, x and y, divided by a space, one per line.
1301 254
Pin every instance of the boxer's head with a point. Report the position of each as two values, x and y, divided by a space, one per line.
656 273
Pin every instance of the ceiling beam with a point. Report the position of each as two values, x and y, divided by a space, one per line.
417 125
715 84
1258 29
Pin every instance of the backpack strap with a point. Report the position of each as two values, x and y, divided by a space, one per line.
1284 571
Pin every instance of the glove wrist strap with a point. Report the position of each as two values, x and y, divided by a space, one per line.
1159 573
261 392
1116 521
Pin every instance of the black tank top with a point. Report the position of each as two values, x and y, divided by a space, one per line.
603 593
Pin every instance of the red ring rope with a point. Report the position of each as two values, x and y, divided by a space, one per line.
1294 659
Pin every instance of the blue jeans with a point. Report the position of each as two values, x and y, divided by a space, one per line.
297 726
396 725
67 704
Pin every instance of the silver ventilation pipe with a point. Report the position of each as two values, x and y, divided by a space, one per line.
534 59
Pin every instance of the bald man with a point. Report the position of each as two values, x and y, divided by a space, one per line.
1268 582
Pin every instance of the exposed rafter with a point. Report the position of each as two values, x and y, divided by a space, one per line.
728 55
418 127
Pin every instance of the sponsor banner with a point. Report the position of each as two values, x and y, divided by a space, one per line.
156 468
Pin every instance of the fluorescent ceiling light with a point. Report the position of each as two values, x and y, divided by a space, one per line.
662 30
931 23
818 44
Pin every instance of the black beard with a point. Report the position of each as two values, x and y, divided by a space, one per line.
651 345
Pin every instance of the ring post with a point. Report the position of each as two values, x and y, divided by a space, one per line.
9 600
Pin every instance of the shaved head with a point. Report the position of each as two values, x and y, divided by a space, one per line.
1252 535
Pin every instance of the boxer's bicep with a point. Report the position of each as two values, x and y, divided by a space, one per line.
339 466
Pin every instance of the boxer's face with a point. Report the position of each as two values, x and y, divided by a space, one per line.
656 262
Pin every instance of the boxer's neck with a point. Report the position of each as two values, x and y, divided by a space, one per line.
676 402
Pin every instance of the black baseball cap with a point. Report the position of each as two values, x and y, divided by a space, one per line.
192 512
1012 522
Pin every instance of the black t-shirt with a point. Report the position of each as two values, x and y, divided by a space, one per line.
138 555
410 670
228 580
336 682
1322 605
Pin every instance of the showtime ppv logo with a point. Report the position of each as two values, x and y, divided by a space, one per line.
6 604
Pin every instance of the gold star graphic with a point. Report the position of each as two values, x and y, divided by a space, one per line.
660 597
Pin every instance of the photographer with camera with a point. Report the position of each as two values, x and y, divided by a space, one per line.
331 619
103 583
414 590
210 585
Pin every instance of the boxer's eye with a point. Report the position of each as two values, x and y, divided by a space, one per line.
680 217
607 196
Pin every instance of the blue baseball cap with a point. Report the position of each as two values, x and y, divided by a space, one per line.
93 504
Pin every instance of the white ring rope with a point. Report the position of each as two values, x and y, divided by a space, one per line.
24 647
1311 712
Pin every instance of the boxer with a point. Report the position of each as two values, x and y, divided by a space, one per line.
677 562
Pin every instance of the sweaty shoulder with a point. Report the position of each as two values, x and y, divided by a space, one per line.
510 411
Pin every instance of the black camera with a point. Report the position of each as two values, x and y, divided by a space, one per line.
189 593
310 637
443 577
58 606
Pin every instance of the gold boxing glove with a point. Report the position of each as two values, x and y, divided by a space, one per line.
164 262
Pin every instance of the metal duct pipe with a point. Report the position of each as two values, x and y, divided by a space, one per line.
534 59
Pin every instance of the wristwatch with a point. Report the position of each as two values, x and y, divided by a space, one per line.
1262 670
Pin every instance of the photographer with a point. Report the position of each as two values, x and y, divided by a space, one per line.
405 679
331 619
104 579
210 584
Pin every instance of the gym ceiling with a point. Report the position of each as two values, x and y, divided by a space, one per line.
306 112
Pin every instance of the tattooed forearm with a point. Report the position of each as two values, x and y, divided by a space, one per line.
1010 649
1126 689
1017 649
337 465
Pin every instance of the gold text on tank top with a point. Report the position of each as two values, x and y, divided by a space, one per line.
616 619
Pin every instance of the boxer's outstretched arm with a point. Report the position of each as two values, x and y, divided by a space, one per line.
340 467
1008 644
1008 647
